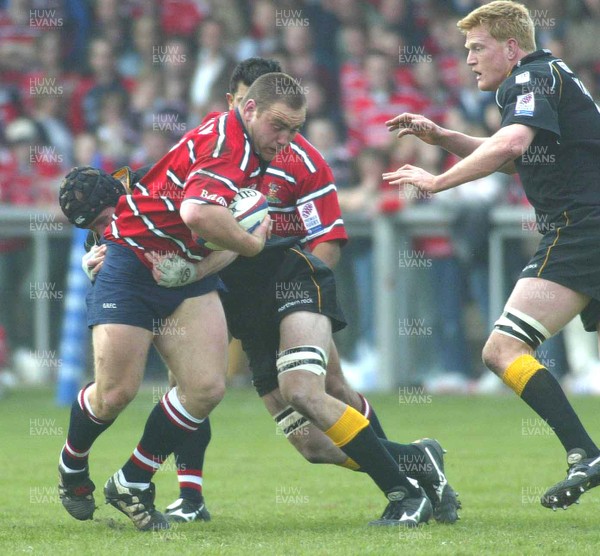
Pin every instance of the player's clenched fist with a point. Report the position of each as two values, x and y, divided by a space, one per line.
417 125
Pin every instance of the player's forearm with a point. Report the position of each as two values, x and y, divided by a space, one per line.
215 262
489 157
458 143
215 224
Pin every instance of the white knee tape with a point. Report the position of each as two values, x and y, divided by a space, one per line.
302 358
522 327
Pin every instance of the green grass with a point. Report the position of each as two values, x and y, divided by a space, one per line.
498 458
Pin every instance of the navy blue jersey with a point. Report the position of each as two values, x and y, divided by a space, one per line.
560 170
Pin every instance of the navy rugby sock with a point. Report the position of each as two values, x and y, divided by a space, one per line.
168 426
353 435
189 458
84 428
545 396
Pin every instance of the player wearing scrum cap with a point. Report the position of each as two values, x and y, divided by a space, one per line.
550 136
257 317
182 197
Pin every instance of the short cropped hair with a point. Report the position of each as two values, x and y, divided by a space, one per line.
276 87
249 70
504 20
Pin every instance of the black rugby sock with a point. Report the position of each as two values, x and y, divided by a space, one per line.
189 458
545 396
168 426
353 435
84 428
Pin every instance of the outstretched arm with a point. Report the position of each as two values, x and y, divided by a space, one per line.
454 142
492 154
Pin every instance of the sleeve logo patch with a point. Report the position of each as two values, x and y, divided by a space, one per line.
213 197
525 105
310 217
522 77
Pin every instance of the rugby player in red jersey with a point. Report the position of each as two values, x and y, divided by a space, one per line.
183 196
303 204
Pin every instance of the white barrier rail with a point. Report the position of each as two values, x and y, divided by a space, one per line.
390 234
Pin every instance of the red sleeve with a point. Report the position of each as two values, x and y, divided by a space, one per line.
221 163
318 205
213 181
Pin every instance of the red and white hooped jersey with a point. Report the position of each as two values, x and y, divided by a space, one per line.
208 166
302 195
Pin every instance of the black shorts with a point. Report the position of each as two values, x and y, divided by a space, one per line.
262 291
124 292
569 255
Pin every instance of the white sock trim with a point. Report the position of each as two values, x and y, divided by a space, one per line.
88 405
174 399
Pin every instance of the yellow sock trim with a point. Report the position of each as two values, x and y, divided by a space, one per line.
520 372
350 464
347 427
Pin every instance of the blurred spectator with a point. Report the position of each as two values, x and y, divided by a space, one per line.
86 152
182 17
87 98
137 60
145 83
158 136
17 38
30 166
48 114
112 20
47 75
263 38
28 177
115 134
381 100
176 69
298 44
323 134
210 81
353 50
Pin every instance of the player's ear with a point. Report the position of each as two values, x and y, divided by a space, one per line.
229 98
512 47
249 109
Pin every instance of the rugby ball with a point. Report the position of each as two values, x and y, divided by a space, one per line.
249 207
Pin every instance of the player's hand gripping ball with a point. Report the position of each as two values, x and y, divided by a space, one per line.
249 207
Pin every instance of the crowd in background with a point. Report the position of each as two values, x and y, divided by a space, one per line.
114 82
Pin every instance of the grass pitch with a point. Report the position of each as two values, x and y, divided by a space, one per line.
265 499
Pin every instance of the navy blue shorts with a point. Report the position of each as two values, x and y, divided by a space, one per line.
124 292
568 255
